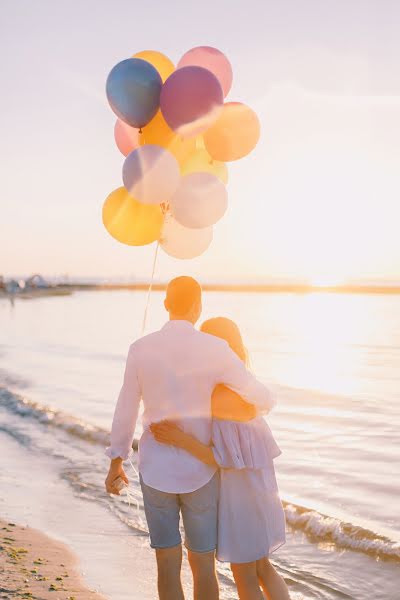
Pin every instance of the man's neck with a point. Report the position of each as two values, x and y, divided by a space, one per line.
175 318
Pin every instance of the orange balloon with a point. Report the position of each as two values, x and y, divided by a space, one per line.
234 134
157 132
131 222
159 61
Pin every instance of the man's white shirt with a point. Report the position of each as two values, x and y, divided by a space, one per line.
174 372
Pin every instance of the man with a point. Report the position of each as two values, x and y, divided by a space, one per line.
174 372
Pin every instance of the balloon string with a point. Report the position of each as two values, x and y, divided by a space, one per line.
129 495
146 310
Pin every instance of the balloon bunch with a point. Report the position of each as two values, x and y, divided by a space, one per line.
176 133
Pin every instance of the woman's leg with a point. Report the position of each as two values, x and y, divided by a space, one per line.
272 583
246 579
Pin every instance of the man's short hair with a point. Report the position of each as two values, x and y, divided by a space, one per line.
182 294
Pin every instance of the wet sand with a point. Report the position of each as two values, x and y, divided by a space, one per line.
34 566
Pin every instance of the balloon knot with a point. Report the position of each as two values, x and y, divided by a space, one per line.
140 130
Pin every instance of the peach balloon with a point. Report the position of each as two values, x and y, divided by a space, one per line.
182 242
159 61
126 137
201 162
212 59
158 132
131 222
235 133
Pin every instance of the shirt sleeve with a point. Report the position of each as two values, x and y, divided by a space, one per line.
234 375
126 411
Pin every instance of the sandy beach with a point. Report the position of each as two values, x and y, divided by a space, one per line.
35 566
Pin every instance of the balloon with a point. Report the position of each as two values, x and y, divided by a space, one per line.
200 200
158 132
201 162
159 61
212 59
151 174
130 222
235 133
133 90
126 137
181 242
191 100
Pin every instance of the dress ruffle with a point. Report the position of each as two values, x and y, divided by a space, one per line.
248 445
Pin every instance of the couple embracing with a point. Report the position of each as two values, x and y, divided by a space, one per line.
206 452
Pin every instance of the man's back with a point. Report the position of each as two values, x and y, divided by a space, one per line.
177 370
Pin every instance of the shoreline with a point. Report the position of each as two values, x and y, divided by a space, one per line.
301 289
32 565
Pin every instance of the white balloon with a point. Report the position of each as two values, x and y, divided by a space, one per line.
151 174
200 200
182 242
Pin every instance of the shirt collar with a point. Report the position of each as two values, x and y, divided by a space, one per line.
179 325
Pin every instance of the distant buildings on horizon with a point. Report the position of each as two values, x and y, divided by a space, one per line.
18 285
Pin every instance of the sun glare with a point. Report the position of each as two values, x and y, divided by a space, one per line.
326 281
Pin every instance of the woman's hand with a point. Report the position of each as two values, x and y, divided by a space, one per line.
167 432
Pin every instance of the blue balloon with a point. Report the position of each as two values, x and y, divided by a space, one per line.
133 90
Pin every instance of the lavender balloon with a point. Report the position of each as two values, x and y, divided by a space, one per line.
191 100
151 174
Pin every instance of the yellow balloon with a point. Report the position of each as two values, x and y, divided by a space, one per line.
234 134
201 161
158 132
131 222
159 61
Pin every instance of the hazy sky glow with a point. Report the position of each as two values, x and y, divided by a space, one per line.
319 197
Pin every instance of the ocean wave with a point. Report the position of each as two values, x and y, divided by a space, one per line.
53 418
323 528
8 379
317 526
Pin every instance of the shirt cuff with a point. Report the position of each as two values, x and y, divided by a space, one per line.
116 453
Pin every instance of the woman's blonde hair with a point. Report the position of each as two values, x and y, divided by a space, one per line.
227 330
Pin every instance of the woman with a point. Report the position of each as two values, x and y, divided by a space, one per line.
251 522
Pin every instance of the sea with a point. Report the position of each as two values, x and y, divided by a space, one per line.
332 361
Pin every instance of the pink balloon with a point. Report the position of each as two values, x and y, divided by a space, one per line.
212 59
200 200
126 137
191 100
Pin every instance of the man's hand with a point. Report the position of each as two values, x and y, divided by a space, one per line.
116 470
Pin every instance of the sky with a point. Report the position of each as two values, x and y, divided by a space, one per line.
318 198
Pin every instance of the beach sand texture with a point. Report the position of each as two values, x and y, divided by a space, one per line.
34 566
